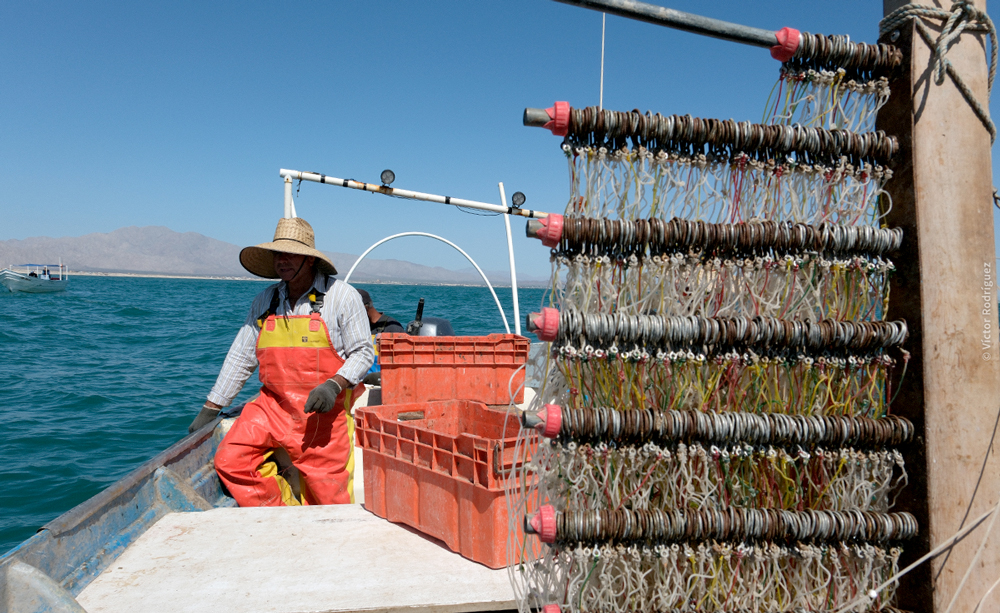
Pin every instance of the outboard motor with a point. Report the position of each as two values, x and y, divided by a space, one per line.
413 328
428 326
436 326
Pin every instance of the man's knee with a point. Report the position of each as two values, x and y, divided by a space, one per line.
226 458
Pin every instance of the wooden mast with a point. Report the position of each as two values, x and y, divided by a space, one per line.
945 288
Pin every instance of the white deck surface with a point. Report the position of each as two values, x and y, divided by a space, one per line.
297 559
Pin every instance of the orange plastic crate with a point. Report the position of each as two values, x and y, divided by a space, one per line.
442 474
427 368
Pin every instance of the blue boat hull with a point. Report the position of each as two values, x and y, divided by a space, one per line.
47 571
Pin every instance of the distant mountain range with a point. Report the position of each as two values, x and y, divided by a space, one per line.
158 250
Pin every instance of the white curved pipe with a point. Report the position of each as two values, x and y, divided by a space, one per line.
443 240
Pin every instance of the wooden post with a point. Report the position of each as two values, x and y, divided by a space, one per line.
945 288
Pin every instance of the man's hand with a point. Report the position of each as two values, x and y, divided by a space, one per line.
323 397
208 413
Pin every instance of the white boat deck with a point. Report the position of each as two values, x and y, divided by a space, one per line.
292 559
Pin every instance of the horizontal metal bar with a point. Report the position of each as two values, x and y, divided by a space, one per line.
535 117
405 193
706 26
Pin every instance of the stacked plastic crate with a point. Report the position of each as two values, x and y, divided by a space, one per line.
435 453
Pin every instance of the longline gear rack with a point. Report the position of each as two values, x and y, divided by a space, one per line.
714 430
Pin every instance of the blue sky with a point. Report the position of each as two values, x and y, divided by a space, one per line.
180 114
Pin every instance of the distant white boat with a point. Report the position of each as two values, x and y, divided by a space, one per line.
35 278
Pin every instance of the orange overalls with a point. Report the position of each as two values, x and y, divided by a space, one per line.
295 355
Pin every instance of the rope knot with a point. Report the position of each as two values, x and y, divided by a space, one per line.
963 17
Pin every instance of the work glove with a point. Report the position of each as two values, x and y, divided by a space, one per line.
323 397
206 415
373 378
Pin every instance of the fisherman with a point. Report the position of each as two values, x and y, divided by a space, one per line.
379 322
309 335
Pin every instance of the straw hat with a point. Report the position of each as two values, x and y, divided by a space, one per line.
293 235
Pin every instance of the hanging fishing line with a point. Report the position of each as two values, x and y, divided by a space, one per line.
714 428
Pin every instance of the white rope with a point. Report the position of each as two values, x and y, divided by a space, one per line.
973 564
986 595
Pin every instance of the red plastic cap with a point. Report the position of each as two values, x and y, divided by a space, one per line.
788 44
544 524
551 608
552 228
559 114
551 424
547 324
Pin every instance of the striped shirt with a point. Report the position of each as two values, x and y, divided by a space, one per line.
343 313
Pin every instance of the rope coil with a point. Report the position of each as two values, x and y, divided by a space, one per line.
640 426
860 61
725 139
651 237
733 524
724 334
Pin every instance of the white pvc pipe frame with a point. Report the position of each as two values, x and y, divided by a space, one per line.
443 240
405 193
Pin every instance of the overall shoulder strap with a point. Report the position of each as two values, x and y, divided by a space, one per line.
316 297
271 310
316 300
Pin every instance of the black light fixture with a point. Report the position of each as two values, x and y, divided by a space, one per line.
517 199
388 177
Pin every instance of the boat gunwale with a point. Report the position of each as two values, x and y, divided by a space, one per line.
73 518
50 542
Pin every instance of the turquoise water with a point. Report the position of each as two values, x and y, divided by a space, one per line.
100 378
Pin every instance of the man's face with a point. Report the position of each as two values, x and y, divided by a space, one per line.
288 265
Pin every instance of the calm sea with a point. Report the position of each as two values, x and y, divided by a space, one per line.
100 378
